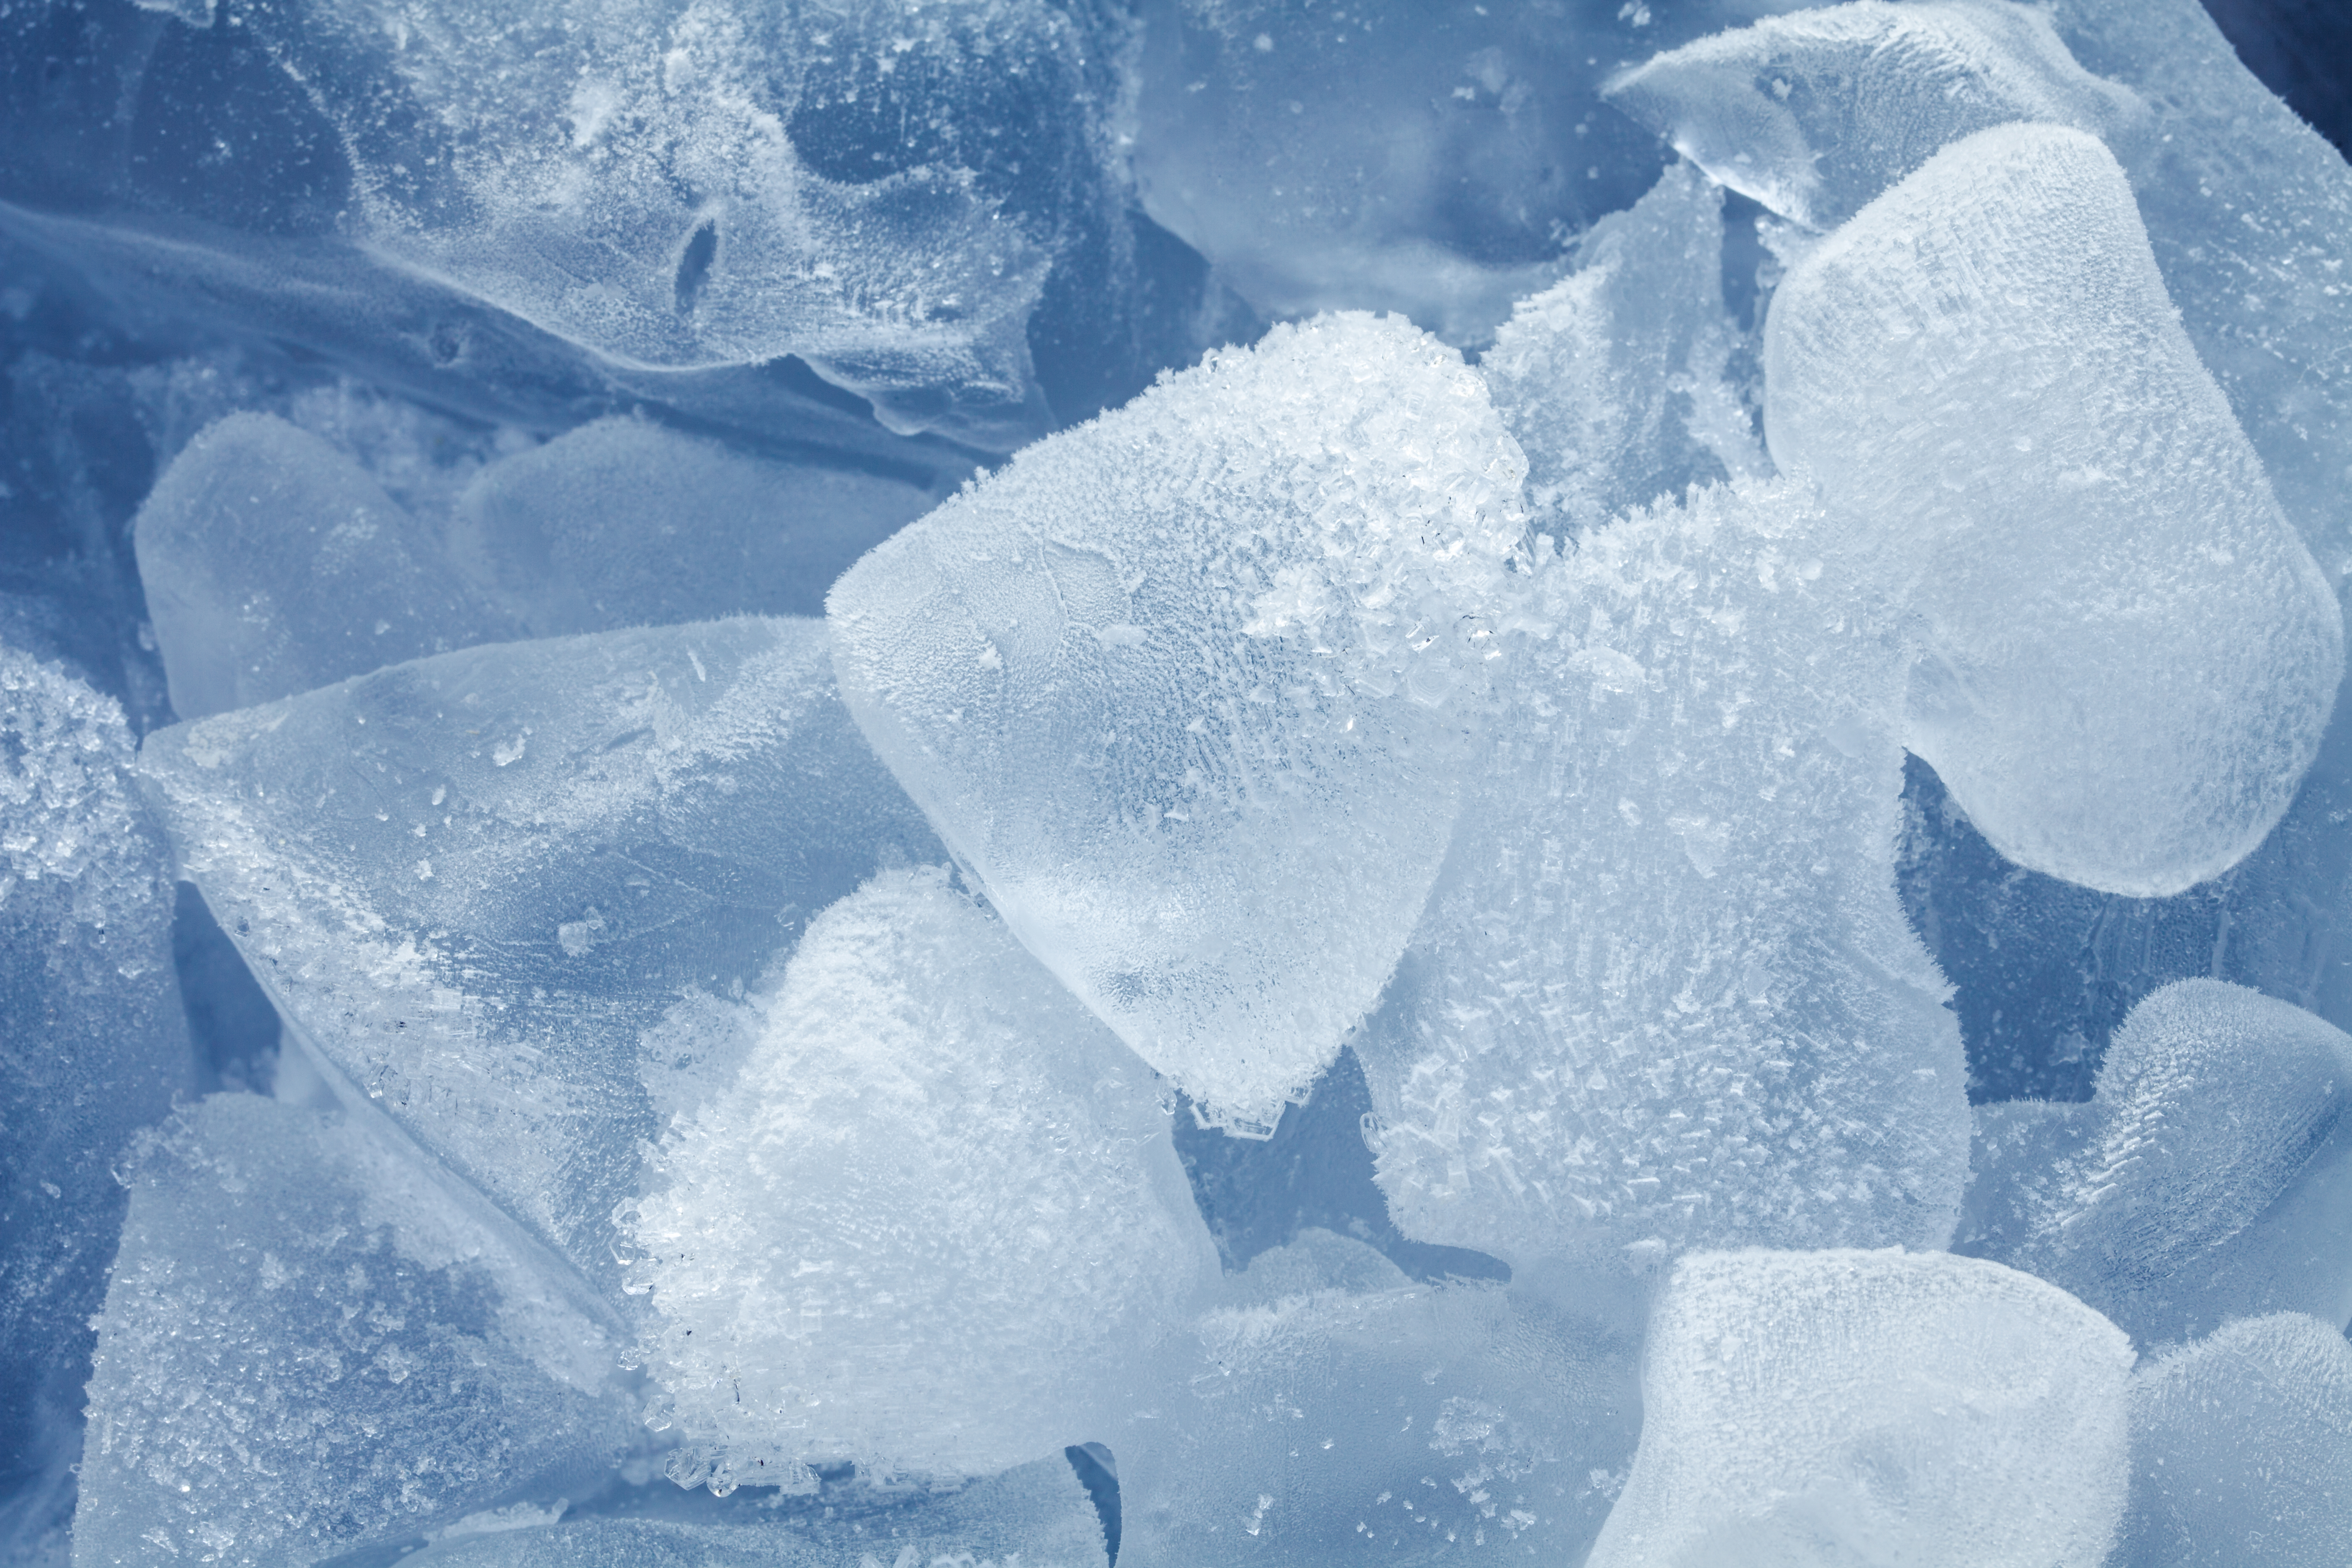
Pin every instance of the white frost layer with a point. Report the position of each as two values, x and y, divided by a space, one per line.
931 1227
1872 1407
1192 687
1664 995
308 1345
2127 657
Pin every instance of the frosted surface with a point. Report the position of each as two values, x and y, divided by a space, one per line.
273 563
1663 995
1330 1410
310 1344
1872 1407
931 1224
2206 1180
1191 688
2242 1447
474 884
2125 654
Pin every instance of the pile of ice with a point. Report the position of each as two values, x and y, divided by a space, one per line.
977 781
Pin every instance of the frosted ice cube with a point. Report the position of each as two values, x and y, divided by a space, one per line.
1612 380
1429 159
93 1044
1331 1411
625 522
933 1223
1816 112
1037 1516
1664 995
2208 1179
1191 687
273 563
1872 1407
311 1343
477 885
2127 657
2241 1448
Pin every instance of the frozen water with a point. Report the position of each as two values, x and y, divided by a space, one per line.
475 884
1872 1407
1033 1517
273 564
1330 1411
1396 154
1816 112
93 1045
933 1223
1612 380
2206 1180
1191 687
310 1345
2241 1448
1663 995
623 522
2126 655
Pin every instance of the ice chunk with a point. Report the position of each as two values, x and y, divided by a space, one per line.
311 1345
2208 1179
2126 658
1035 1517
1663 995
1191 687
1872 1407
1612 380
477 885
1815 113
2241 1448
932 1227
623 522
1429 159
1330 1411
93 1044
273 564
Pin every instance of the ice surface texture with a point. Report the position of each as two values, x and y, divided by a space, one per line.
2127 657
311 1345
2206 1180
1663 995
474 883
2241 1448
1191 687
932 1225
1872 1407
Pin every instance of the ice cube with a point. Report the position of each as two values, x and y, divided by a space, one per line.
477 885
96 1046
1663 995
2208 1179
932 1227
1033 1517
311 1343
273 563
625 522
1612 380
2126 655
1191 687
1331 1411
2241 1448
1872 1407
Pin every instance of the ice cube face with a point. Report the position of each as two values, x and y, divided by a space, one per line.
1191 687
475 883
311 1345
1891 1407
932 1227
1663 995
2127 657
